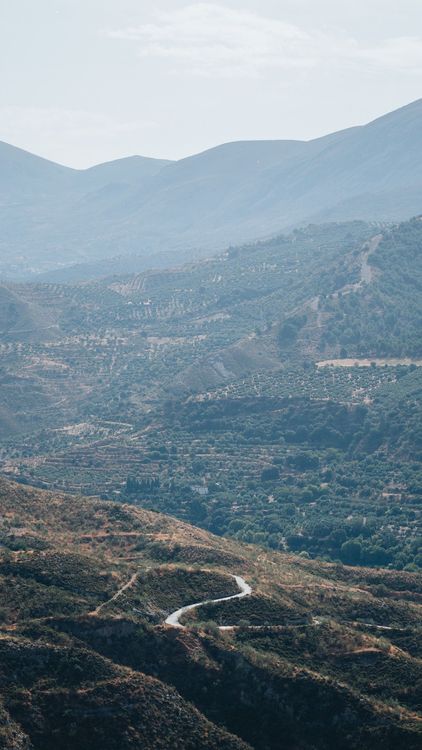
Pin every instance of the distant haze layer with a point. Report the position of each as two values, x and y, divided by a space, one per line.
70 223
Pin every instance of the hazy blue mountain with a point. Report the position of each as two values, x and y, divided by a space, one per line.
23 172
127 171
53 217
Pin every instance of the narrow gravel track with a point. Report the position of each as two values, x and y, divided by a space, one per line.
244 590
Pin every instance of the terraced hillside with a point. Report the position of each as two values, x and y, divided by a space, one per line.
271 394
322 655
117 345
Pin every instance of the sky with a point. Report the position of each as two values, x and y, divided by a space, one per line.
87 81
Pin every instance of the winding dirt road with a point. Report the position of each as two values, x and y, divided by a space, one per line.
118 593
174 618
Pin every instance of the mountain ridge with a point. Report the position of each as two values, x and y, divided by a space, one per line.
235 192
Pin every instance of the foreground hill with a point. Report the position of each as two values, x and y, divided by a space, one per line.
324 656
53 218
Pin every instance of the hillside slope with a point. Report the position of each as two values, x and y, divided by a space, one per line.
24 321
85 659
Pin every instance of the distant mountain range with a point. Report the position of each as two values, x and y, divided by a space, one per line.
138 213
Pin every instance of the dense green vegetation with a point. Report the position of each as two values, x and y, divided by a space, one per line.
317 477
383 318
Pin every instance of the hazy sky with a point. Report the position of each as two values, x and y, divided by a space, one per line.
84 81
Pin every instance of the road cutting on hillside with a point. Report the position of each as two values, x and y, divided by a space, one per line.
244 590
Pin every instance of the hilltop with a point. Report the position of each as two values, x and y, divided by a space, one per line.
87 585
